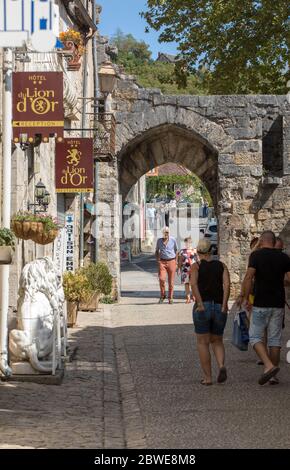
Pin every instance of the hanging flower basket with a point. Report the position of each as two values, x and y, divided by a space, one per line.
43 238
21 229
40 229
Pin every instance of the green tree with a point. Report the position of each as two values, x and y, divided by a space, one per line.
135 57
130 50
243 45
165 186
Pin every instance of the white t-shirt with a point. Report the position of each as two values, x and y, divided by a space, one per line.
151 212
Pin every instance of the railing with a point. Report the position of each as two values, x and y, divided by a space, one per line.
104 134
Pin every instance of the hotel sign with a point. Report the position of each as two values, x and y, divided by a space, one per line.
37 105
74 166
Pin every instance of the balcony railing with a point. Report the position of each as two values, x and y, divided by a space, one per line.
104 131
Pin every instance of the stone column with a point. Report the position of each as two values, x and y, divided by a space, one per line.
240 177
107 218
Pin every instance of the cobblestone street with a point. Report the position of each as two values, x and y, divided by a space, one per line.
83 412
176 411
136 385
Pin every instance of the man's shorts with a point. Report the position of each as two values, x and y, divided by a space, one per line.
266 318
210 320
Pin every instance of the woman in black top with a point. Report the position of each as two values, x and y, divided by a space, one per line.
210 282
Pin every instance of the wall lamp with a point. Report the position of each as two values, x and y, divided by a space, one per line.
42 198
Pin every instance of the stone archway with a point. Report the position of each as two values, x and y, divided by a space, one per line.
167 134
164 144
182 137
226 140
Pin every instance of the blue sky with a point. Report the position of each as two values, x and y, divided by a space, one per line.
124 14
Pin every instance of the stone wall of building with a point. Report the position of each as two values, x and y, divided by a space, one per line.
38 161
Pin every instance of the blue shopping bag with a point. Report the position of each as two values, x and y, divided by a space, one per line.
240 336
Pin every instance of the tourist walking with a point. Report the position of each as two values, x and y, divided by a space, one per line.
166 255
268 266
151 217
205 210
186 258
210 281
167 214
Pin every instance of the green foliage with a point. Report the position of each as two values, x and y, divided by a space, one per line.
99 277
130 50
92 279
135 57
49 222
76 287
165 185
7 237
107 299
163 76
242 46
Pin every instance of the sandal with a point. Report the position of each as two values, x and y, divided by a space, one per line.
268 375
203 382
222 377
274 381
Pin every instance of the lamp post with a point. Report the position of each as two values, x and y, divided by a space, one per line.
106 81
107 78
42 198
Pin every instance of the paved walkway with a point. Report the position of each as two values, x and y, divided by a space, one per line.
157 344
83 412
134 382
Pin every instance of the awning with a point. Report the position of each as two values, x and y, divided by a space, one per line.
90 208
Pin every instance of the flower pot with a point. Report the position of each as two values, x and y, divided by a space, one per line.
74 59
91 305
6 254
72 313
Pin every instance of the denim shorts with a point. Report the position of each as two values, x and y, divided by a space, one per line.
270 318
210 320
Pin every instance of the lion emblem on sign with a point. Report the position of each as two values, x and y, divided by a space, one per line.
73 157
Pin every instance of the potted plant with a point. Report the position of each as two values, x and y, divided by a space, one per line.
73 42
100 283
76 290
41 228
7 245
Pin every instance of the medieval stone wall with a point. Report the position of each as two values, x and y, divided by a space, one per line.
233 143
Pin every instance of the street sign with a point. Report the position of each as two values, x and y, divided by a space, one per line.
36 21
178 194
37 105
69 227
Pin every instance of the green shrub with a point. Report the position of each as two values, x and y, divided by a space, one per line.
99 277
7 237
76 287
107 299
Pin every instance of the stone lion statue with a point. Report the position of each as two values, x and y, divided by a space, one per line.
39 310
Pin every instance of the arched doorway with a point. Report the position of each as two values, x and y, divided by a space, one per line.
169 143
163 144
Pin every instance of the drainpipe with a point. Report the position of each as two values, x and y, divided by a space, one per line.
96 95
85 88
6 203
